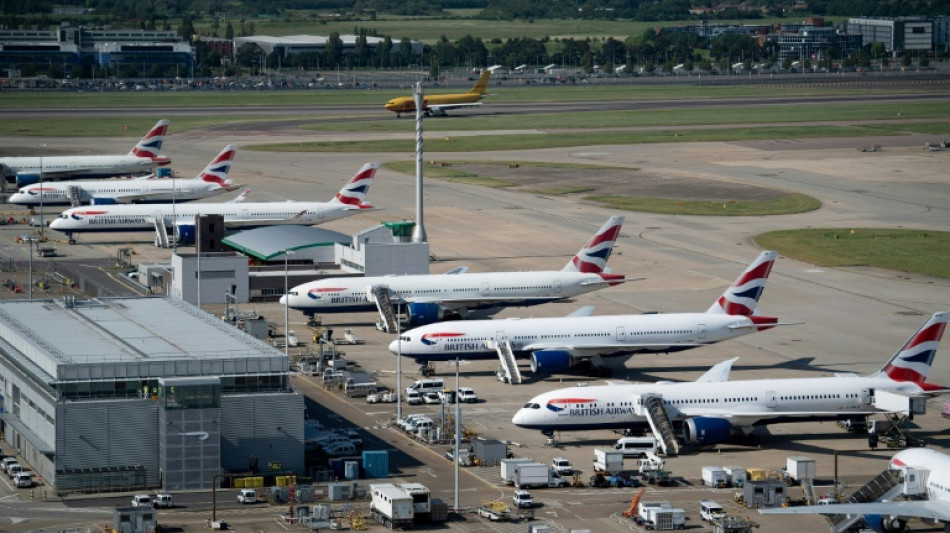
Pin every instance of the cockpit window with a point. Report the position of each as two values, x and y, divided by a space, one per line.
406 339
530 405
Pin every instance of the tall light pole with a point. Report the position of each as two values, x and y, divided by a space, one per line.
287 253
419 231
31 266
458 435
42 222
399 365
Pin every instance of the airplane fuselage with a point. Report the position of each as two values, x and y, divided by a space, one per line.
407 104
141 217
622 334
159 190
744 403
458 291
83 166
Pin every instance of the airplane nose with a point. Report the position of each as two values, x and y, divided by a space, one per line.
516 420
394 346
283 300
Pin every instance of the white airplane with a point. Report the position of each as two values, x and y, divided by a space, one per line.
892 516
711 408
432 297
560 343
143 158
111 218
147 189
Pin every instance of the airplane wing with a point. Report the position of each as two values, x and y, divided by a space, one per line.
457 270
930 509
237 223
438 108
587 310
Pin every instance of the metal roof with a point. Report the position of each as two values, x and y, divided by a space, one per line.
116 338
272 242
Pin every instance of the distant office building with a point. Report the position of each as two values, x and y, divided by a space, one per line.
813 42
897 34
130 393
67 46
297 44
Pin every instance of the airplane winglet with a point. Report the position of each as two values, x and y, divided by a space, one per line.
587 310
719 372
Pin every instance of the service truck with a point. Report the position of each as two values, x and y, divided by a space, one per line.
391 506
494 511
608 462
715 476
530 475
665 519
508 468
799 468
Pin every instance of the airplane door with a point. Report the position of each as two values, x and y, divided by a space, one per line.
486 288
866 397
700 331
245 215
500 337
557 286
621 334
770 399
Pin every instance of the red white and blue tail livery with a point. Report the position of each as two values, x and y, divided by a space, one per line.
913 361
151 145
353 194
594 255
744 293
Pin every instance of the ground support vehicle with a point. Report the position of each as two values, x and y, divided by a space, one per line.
495 511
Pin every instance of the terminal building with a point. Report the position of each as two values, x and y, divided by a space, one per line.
119 394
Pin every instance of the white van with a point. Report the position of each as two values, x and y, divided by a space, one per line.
359 390
710 511
14 469
423 386
23 480
636 446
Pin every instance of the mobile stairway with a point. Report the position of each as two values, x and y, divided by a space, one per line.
651 407
387 315
509 366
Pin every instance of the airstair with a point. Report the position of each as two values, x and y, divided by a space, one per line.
74 196
885 486
652 408
808 487
509 366
161 232
387 315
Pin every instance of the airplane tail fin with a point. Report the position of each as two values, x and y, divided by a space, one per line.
912 362
149 146
593 256
240 198
217 170
482 86
354 192
743 295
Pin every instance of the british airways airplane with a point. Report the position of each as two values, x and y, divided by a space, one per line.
712 408
457 294
892 516
558 344
143 158
112 218
147 189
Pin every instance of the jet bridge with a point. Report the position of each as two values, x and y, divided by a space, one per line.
650 406
886 485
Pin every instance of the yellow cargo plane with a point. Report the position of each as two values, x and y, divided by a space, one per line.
438 104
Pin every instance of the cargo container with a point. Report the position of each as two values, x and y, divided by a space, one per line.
507 467
665 519
489 452
799 468
608 461
715 476
376 463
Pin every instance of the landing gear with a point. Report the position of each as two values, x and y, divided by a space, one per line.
72 240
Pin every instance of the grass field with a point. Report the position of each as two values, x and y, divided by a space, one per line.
916 251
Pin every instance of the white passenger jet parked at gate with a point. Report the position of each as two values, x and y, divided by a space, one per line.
143 158
932 470
212 180
433 297
710 408
558 344
111 218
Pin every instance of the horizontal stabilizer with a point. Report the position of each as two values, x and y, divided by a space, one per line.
587 310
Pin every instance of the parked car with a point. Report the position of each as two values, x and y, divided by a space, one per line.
340 448
562 466
163 500
247 496
431 397
467 395
523 499
23 480
141 500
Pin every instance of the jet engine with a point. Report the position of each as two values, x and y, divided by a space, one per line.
885 524
421 314
27 178
103 201
185 233
551 361
706 430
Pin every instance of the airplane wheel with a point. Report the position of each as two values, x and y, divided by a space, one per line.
72 240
